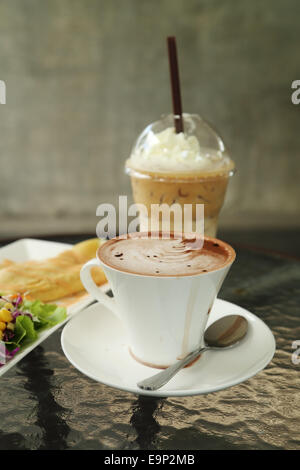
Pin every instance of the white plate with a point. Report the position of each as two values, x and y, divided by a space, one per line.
31 249
95 343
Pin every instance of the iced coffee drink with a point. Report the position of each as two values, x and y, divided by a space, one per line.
190 167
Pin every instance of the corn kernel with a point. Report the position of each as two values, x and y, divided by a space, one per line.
5 315
9 306
2 326
10 326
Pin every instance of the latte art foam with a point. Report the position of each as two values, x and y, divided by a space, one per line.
157 256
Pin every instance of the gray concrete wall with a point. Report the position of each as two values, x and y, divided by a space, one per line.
84 77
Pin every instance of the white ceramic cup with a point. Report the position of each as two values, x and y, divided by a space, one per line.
165 317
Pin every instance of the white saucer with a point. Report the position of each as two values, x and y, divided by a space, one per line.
94 341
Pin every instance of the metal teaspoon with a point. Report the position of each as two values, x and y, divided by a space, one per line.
223 333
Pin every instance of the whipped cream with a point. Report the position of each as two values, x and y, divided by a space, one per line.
168 151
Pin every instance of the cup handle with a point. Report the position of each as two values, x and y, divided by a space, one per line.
93 289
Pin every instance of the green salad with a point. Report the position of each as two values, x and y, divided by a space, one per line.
22 320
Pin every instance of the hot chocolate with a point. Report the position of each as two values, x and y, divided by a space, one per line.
153 255
164 287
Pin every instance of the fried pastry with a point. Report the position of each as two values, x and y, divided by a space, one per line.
53 278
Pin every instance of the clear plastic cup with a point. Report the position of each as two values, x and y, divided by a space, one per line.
190 185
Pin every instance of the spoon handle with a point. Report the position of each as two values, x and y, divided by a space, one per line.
163 377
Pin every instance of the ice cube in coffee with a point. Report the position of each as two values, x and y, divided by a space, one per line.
190 167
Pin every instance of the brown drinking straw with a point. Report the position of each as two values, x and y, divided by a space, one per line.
175 84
